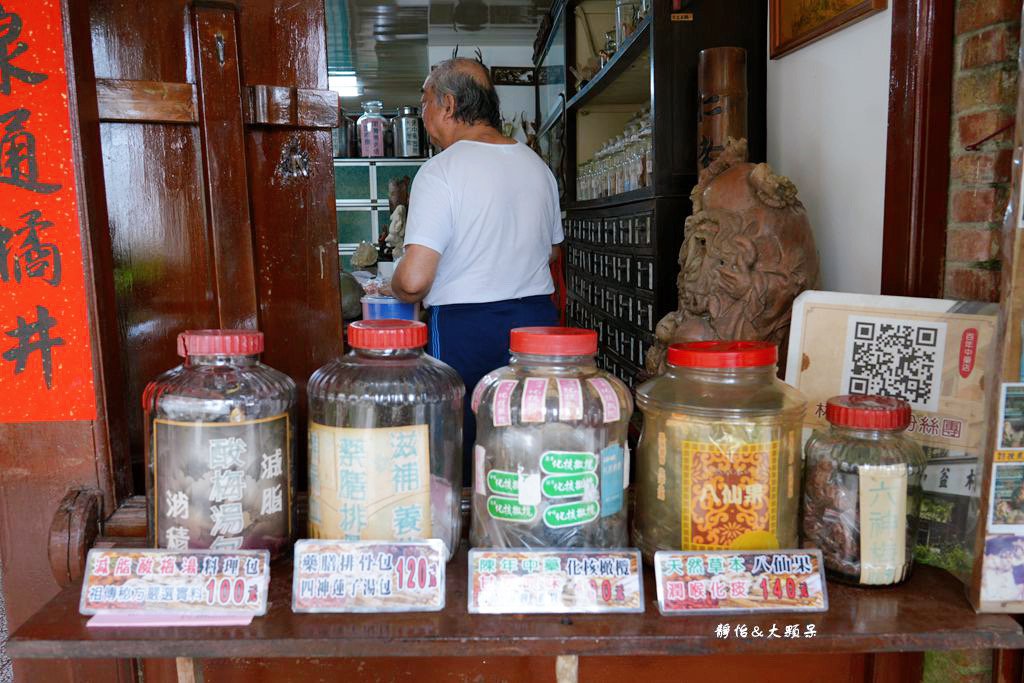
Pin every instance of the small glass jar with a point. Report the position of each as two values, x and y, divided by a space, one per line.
551 463
371 127
626 12
385 439
862 490
718 463
220 447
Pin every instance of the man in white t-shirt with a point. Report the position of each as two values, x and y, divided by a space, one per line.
483 227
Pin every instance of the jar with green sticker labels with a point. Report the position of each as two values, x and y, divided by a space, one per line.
385 440
551 465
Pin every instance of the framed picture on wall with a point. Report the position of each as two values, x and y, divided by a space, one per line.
795 23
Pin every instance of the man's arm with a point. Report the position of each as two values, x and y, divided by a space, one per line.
556 252
415 273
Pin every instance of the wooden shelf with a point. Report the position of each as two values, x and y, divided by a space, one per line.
616 200
626 79
929 612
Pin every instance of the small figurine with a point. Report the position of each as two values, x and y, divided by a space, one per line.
398 203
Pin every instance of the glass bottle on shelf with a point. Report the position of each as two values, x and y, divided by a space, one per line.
626 12
371 126
617 165
646 145
632 179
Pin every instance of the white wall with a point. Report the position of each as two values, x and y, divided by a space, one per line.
515 99
827 123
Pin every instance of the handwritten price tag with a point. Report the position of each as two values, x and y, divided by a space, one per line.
546 581
717 582
197 583
369 576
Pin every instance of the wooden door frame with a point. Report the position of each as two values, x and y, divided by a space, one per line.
917 152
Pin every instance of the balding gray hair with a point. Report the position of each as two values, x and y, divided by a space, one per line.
476 100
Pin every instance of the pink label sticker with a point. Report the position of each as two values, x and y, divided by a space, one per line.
535 391
609 399
502 408
570 400
479 462
478 393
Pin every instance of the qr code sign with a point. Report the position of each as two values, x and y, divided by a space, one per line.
892 357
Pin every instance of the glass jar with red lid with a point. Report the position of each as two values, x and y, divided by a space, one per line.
385 439
862 490
718 462
551 463
220 447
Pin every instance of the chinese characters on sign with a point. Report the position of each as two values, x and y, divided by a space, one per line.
45 351
553 581
738 581
165 582
227 482
744 632
369 576
370 483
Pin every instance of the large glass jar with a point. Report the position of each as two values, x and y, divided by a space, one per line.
371 127
862 490
551 463
219 447
718 463
385 439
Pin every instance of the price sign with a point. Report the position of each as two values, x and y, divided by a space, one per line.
716 582
196 583
546 581
369 576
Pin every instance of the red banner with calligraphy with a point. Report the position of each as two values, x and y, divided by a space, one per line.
45 351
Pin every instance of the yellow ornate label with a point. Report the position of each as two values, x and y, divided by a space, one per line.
730 497
369 484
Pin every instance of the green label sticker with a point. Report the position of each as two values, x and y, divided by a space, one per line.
571 514
568 485
558 462
504 483
509 510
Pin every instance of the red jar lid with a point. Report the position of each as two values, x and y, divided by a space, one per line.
220 343
868 412
387 334
723 354
553 341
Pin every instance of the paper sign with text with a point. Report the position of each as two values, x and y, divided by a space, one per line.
548 581
165 582
724 581
369 576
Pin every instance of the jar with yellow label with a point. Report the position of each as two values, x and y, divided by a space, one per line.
862 490
385 439
718 464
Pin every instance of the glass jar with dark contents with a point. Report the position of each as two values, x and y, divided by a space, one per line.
862 490
220 447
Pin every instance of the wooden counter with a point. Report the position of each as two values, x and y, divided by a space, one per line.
929 612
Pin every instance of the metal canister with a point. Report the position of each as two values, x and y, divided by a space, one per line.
343 138
407 129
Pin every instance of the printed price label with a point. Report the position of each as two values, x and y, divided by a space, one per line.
548 581
369 576
197 583
717 582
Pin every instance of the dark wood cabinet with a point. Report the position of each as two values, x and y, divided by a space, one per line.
622 251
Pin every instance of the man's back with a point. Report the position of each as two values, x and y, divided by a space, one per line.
491 211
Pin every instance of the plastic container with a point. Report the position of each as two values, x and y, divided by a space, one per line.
385 439
862 490
551 463
220 447
718 464
388 308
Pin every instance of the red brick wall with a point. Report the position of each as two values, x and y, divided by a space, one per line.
984 100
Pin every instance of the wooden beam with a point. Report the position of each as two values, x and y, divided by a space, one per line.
146 101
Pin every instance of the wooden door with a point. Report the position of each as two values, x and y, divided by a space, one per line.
202 134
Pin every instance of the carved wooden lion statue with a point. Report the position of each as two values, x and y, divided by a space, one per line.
748 252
